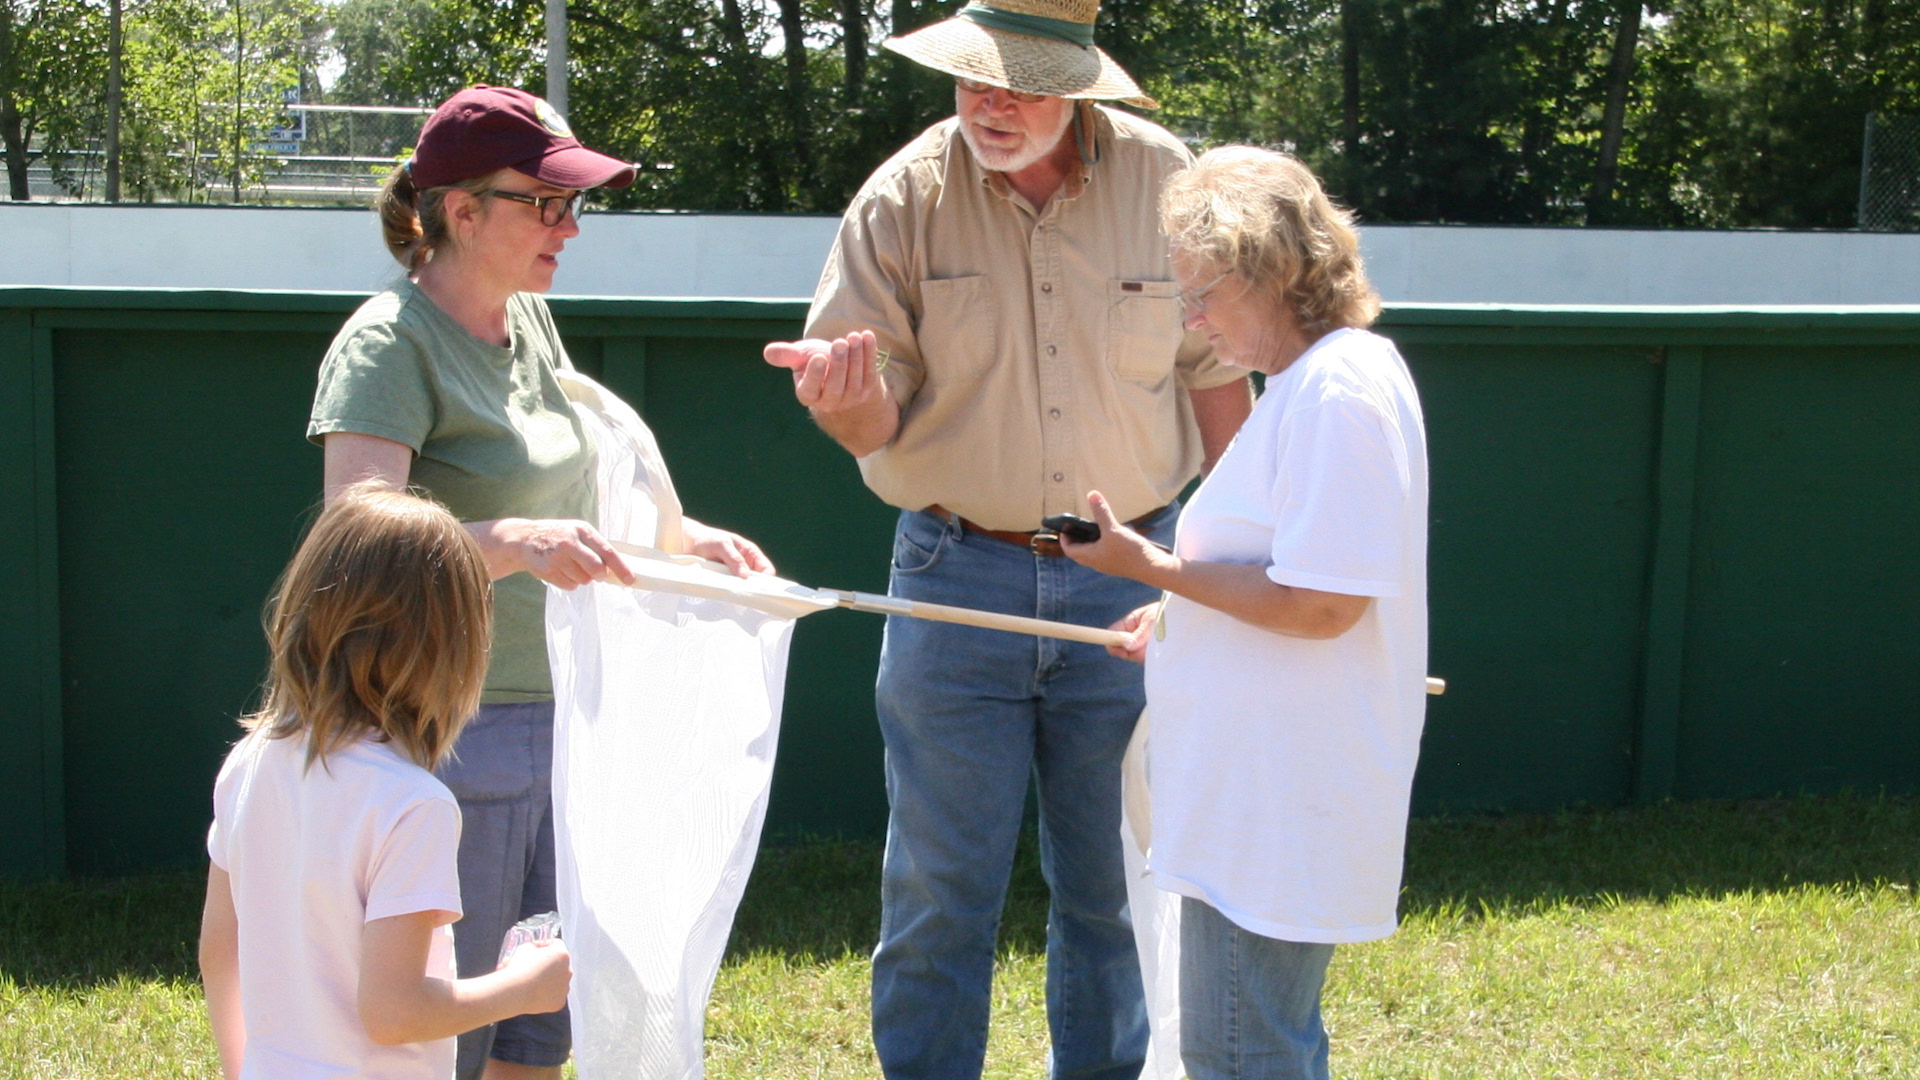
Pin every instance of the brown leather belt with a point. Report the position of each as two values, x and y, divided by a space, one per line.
1040 541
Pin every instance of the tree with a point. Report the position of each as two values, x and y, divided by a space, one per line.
1750 112
1626 40
1678 112
205 81
52 66
726 105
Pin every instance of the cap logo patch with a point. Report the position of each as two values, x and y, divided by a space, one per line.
551 119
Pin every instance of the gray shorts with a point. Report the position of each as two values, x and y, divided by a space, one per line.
502 773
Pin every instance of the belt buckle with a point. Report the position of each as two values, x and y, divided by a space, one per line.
1041 536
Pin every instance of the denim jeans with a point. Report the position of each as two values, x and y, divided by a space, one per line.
968 716
502 775
1249 1005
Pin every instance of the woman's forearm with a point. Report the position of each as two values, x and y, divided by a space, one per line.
499 544
1242 591
564 553
1248 594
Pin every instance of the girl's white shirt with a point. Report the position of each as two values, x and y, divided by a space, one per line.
313 855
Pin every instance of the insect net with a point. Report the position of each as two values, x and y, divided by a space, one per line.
666 718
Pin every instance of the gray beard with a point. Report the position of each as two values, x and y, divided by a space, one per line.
1013 161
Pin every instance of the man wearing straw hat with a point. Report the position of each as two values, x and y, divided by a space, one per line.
995 333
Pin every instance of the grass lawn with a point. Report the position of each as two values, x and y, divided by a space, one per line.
1773 940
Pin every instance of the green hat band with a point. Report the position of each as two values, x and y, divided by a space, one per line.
1080 34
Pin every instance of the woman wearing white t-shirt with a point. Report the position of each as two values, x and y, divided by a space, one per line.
1286 668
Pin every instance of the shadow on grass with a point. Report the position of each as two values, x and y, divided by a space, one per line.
815 900
82 932
818 899
821 900
1698 848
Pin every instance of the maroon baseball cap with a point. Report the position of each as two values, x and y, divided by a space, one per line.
486 128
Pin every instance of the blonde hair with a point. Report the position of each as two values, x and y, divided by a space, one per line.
378 626
413 222
1264 215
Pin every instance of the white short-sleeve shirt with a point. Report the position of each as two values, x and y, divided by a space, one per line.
314 855
1281 767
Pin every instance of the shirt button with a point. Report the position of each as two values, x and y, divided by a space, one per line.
1058 477
1046 286
1055 413
1053 350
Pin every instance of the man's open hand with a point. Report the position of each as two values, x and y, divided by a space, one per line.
835 376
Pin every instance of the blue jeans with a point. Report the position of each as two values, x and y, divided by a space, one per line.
1249 1005
968 716
502 775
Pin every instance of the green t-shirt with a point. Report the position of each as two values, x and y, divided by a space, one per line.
491 431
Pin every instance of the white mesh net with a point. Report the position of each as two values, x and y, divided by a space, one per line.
666 719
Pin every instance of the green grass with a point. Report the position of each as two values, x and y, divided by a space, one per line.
1772 940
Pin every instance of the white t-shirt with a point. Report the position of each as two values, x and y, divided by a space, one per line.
1281 767
314 856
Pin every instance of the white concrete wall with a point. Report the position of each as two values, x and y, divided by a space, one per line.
1463 264
779 256
340 249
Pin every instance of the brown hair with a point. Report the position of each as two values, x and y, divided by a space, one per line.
379 625
1264 215
414 222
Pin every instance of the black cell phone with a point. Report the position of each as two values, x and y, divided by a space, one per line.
1073 527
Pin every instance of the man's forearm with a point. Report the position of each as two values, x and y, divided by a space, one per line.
1219 411
863 429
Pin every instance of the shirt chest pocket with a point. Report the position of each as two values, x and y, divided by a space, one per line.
957 328
1143 329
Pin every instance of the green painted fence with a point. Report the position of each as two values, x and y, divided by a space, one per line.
1674 552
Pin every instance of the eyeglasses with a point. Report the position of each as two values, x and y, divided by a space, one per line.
973 87
553 208
1194 301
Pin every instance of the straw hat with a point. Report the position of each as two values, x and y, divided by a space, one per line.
1032 46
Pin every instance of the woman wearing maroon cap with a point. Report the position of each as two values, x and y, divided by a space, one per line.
447 382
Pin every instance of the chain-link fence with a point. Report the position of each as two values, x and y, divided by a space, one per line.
335 153
1890 174
290 154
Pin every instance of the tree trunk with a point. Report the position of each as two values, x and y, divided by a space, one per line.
733 25
1533 133
853 38
13 139
1612 125
1350 77
739 59
1873 21
15 142
793 27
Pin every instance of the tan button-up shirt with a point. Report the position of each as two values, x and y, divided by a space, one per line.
1035 356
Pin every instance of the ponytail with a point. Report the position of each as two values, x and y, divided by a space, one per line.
412 222
399 221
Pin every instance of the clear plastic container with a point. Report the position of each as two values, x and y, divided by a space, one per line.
542 927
